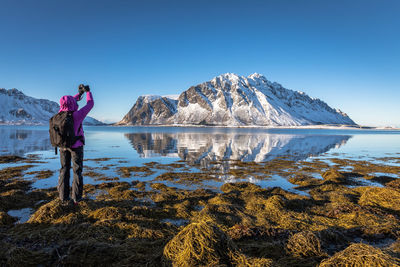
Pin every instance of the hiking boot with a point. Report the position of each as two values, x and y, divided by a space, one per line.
76 202
66 202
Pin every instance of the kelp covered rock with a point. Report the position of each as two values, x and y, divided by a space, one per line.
305 244
204 244
387 198
50 212
6 219
333 175
360 255
201 243
150 223
19 256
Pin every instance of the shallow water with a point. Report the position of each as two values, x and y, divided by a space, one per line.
22 214
199 148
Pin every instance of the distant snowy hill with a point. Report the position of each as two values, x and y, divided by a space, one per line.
232 100
18 108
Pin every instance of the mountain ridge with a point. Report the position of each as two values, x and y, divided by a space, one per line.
18 108
233 100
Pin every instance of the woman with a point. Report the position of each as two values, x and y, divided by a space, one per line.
75 152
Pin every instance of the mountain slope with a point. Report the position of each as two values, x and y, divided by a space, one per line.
232 100
151 110
18 108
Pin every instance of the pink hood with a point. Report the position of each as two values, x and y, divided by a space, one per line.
68 103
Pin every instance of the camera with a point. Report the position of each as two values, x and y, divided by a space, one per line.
83 88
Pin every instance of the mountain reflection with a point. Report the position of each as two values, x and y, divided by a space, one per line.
16 141
203 148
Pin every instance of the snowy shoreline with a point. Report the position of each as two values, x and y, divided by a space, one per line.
334 127
331 127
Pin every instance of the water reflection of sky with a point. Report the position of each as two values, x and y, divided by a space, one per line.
138 145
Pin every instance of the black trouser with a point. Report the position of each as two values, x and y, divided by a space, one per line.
66 155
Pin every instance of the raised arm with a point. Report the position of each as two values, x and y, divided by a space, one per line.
81 113
77 96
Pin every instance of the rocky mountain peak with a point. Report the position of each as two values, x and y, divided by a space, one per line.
257 76
233 100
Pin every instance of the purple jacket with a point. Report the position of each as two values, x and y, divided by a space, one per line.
69 103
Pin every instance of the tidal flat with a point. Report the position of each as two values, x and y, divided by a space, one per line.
336 212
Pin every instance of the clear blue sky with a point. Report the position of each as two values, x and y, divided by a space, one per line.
345 52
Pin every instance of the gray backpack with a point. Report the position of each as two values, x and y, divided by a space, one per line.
61 130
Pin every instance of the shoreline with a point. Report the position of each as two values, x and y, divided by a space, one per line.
130 220
321 127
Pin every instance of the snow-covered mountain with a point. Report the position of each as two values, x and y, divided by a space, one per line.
18 108
232 100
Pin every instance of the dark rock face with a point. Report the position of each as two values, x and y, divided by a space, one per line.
196 94
20 113
148 111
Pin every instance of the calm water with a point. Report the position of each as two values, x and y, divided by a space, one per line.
133 146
